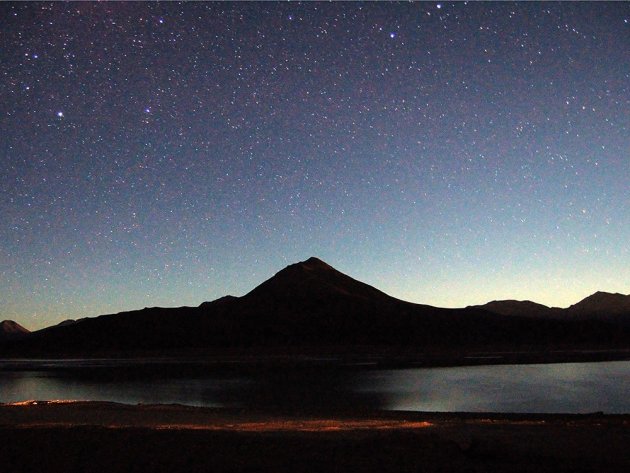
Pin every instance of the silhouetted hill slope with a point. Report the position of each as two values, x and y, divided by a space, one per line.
518 308
601 306
311 301
146 329
311 304
312 280
602 303
10 330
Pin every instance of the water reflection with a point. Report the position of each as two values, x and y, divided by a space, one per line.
566 387
278 390
50 385
570 387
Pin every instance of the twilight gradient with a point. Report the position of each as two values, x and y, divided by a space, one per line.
448 154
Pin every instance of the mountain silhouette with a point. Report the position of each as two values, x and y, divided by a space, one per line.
602 303
602 306
309 301
312 280
312 306
519 308
10 330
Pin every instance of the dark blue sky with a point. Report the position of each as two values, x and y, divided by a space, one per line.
447 153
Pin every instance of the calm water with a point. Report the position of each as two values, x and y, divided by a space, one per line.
566 387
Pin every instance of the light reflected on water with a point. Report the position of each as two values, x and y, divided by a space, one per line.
562 388
20 386
566 387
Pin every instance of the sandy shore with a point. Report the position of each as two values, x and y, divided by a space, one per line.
104 437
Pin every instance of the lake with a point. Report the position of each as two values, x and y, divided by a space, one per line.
536 388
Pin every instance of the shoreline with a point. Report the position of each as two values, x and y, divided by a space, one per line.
361 359
79 436
40 413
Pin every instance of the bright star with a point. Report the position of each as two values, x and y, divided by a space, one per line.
392 35
60 114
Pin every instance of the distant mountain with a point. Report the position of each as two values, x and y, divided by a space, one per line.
518 308
66 322
603 306
70 321
10 330
312 300
312 306
312 280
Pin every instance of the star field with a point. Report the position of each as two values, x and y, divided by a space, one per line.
447 153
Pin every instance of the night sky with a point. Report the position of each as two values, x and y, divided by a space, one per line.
448 154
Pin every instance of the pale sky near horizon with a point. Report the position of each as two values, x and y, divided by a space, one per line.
446 153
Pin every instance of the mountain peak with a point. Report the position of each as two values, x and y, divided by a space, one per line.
515 307
312 279
313 263
603 302
10 329
10 326
604 294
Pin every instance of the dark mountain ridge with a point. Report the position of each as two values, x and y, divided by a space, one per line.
602 306
518 308
312 305
10 330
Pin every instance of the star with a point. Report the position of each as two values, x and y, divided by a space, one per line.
60 114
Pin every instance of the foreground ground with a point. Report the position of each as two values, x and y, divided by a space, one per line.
104 437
